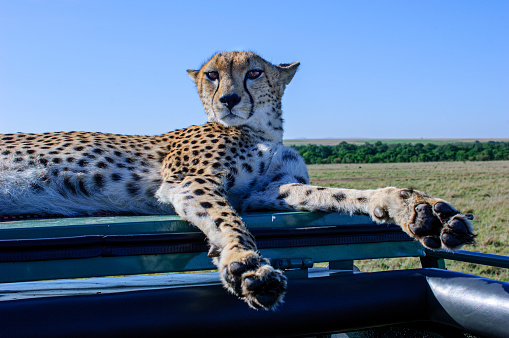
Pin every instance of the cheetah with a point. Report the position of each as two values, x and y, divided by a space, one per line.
208 174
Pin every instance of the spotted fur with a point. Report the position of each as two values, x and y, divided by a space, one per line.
207 174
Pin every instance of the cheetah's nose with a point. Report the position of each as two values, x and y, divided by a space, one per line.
230 100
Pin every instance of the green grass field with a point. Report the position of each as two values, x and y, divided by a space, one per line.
478 188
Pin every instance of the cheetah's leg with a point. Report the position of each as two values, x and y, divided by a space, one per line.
243 271
432 221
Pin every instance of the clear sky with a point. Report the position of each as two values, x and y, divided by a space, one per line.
374 69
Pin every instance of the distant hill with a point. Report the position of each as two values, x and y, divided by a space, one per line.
437 141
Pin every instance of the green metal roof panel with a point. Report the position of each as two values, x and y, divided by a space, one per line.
119 225
87 247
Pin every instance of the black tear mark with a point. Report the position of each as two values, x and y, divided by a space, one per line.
251 112
213 96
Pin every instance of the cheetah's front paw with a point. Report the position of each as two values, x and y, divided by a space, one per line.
255 281
434 222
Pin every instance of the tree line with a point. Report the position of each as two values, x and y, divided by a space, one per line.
380 152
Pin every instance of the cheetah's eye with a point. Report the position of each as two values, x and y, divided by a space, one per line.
254 74
212 76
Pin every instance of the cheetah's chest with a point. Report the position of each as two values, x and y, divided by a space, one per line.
247 172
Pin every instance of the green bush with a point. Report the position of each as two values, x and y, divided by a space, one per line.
389 153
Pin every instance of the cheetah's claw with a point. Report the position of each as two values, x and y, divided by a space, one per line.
256 282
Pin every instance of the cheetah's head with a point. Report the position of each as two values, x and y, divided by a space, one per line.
241 88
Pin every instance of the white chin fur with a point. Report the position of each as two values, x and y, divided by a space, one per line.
230 119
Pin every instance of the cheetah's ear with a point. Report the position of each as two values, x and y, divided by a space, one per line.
193 74
287 71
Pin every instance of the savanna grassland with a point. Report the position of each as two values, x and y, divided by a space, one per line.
478 188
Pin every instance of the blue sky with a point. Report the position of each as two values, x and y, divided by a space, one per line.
373 69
